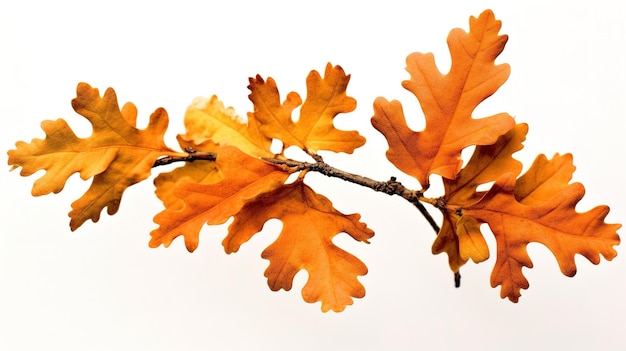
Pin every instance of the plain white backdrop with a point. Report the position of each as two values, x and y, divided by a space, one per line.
102 288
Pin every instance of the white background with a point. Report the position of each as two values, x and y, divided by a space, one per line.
102 288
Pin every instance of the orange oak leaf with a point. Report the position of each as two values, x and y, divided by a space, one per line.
554 223
117 154
205 172
309 224
314 129
544 179
447 102
244 178
209 119
460 237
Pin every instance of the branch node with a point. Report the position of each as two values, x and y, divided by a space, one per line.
441 203
317 158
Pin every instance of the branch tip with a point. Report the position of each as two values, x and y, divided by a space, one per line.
192 155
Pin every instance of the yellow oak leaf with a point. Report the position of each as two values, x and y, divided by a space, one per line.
447 241
472 244
314 129
309 224
208 119
244 178
447 101
554 223
117 154
460 238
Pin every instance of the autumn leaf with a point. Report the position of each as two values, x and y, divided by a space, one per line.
447 102
460 237
309 224
208 119
544 179
205 172
244 178
117 154
314 129
554 223
486 165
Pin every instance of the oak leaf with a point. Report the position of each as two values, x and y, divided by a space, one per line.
314 129
206 172
208 119
244 178
544 179
554 223
460 237
309 224
117 154
447 102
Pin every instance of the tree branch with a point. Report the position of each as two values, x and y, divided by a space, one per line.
192 155
390 187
